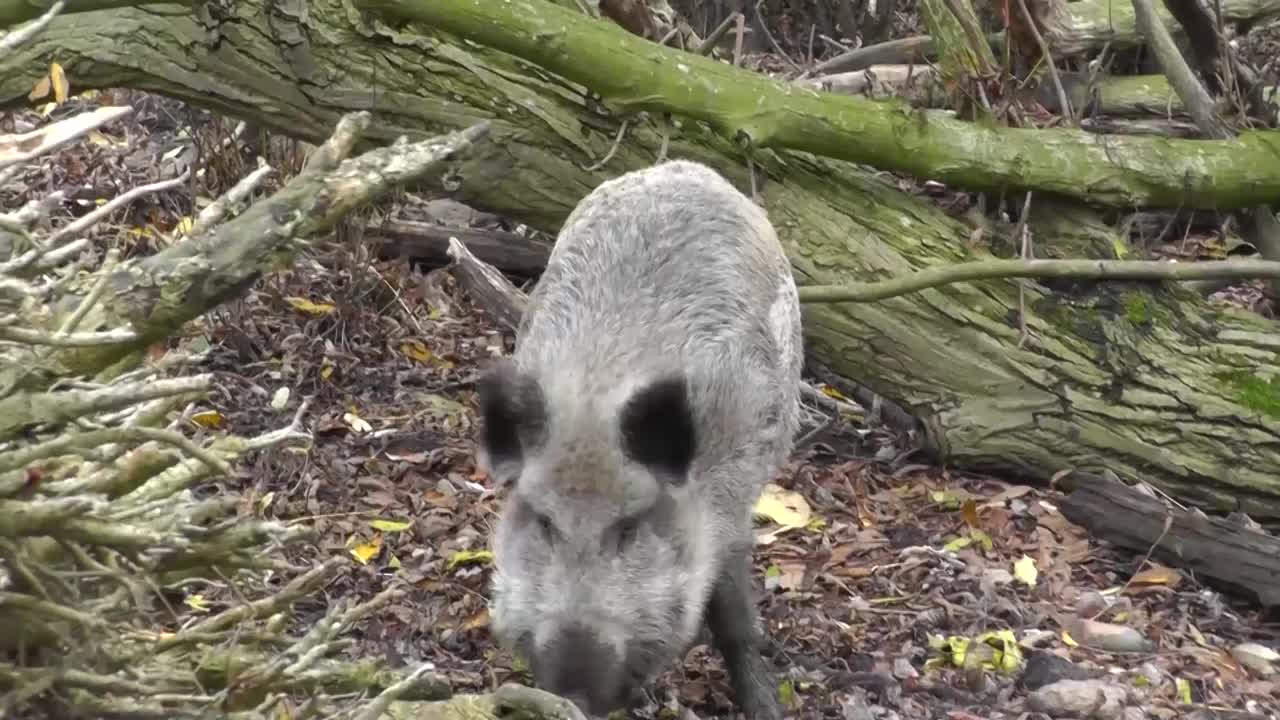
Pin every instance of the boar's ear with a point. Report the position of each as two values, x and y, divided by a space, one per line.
513 420
658 427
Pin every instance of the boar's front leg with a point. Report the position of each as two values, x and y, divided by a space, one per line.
731 615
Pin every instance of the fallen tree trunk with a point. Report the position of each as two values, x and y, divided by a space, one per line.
763 113
1071 28
426 242
1224 550
1150 382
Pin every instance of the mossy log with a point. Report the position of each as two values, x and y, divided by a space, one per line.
1072 28
1149 381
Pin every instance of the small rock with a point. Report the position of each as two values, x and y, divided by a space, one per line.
1108 636
1085 699
1044 668
1149 672
855 706
996 577
1258 658
1090 604
1035 638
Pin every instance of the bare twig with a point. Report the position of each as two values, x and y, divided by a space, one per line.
28 146
1194 97
764 27
617 141
1077 269
1048 61
709 43
93 218
95 294
1259 223
68 340
23 34
221 207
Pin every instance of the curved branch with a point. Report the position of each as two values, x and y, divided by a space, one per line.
758 110
939 275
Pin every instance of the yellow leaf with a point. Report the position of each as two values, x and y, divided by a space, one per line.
1068 640
1007 656
208 419
196 602
470 556
264 502
394 562
185 223
60 84
355 422
280 398
832 393
416 350
327 370
311 308
785 507
48 108
959 543
40 90
1184 690
1024 568
478 620
365 552
786 692
1157 575
391 525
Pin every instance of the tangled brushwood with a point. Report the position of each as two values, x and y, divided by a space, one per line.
107 532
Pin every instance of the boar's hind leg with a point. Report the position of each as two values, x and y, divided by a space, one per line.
731 616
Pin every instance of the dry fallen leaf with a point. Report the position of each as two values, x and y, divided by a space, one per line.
196 602
477 620
355 422
470 556
61 87
280 398
208 419
365 552
40 89
311 308
785 507
1157 575
391 525
1024 569
418 351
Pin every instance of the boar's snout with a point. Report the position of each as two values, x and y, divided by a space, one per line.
578 664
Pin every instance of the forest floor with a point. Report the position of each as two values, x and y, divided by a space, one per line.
898 589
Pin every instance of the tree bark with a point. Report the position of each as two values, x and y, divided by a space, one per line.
634 76
1150 382
1072 28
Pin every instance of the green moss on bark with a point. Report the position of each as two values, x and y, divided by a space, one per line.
1254 392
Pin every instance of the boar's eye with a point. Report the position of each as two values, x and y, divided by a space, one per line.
547 529
625 532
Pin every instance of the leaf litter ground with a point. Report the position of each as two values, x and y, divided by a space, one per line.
891 588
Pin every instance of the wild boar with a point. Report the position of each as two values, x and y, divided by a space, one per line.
653 392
